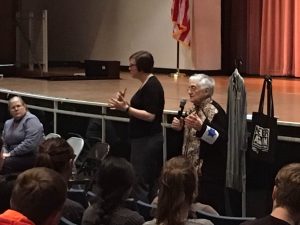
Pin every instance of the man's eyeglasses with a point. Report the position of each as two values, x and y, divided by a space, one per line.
131 65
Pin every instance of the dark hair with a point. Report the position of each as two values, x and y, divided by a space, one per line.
1 143
38 193
178 187
144 61
115 178
54 153
287 182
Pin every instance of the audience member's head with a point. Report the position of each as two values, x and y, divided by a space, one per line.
1 152
115 178
177 190
39 194
286 192
143 61
57 154
201 87
17 107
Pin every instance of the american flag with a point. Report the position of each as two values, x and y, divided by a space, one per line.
181 21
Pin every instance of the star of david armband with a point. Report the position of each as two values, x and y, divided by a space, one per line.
210 135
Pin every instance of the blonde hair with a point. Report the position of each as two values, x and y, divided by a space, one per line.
178 188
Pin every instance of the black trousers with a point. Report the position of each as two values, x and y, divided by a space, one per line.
146 158
16 164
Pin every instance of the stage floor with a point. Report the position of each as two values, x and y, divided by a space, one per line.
286 92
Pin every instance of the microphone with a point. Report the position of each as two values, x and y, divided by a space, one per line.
181 106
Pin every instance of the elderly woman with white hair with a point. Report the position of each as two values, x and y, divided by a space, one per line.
205 140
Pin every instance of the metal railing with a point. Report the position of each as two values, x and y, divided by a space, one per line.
103 115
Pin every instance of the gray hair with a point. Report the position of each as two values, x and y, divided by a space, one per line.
204 81
16 98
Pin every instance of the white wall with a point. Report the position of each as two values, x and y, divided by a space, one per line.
114 29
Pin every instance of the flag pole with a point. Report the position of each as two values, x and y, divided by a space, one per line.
181 28
177 74
177 58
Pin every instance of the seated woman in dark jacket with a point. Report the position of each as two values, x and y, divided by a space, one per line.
21 136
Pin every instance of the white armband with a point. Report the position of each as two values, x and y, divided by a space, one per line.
210 135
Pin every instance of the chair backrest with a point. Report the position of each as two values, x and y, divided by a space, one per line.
95 155
145 209
52 135
65 221
77 144
78 195
222 220
101 150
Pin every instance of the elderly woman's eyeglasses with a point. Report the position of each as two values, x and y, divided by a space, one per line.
131 65
192 88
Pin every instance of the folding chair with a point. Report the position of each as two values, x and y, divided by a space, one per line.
96 154
52 135
65 221
145 209
77 144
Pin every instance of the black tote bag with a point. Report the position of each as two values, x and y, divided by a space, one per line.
264 130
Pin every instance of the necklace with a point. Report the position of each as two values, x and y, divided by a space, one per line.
148 77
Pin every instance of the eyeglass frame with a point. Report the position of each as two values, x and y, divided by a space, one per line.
193 88
131 65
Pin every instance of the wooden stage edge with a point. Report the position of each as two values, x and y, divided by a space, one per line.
286 91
